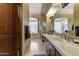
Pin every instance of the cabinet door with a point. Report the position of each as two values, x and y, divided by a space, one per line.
50 50
57 53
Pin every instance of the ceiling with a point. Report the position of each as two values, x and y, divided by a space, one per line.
69 9
35 8
53 9
42 8
38 8
45 7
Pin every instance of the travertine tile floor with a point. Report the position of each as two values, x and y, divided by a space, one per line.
36 47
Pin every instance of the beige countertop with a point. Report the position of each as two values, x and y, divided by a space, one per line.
63 46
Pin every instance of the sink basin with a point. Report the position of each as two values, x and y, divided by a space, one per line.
76 41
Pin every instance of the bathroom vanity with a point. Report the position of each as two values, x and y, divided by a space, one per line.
57 46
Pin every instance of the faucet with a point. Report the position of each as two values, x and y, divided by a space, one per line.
66 37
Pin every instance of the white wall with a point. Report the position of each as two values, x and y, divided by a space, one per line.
25 43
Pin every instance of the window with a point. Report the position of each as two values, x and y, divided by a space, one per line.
33 24
58 26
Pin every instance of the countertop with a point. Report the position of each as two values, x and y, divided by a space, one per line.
66 48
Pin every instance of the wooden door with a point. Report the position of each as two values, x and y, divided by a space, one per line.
8 36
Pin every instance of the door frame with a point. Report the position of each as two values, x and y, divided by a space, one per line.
20 22
17 41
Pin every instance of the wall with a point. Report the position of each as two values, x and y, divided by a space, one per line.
43 22
76 14
48 24
40 23
25 43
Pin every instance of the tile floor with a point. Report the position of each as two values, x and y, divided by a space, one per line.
36 47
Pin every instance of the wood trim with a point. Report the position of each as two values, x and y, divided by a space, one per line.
15 41
20 36
17 48
5 36
4 54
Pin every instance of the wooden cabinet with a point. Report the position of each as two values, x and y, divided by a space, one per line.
57 53
50 49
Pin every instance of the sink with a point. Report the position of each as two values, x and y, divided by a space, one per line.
76 41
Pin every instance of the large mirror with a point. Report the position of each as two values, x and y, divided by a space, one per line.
61 25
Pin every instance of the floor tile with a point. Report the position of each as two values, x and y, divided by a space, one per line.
36 47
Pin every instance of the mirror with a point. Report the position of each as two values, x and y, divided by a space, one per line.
61 25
